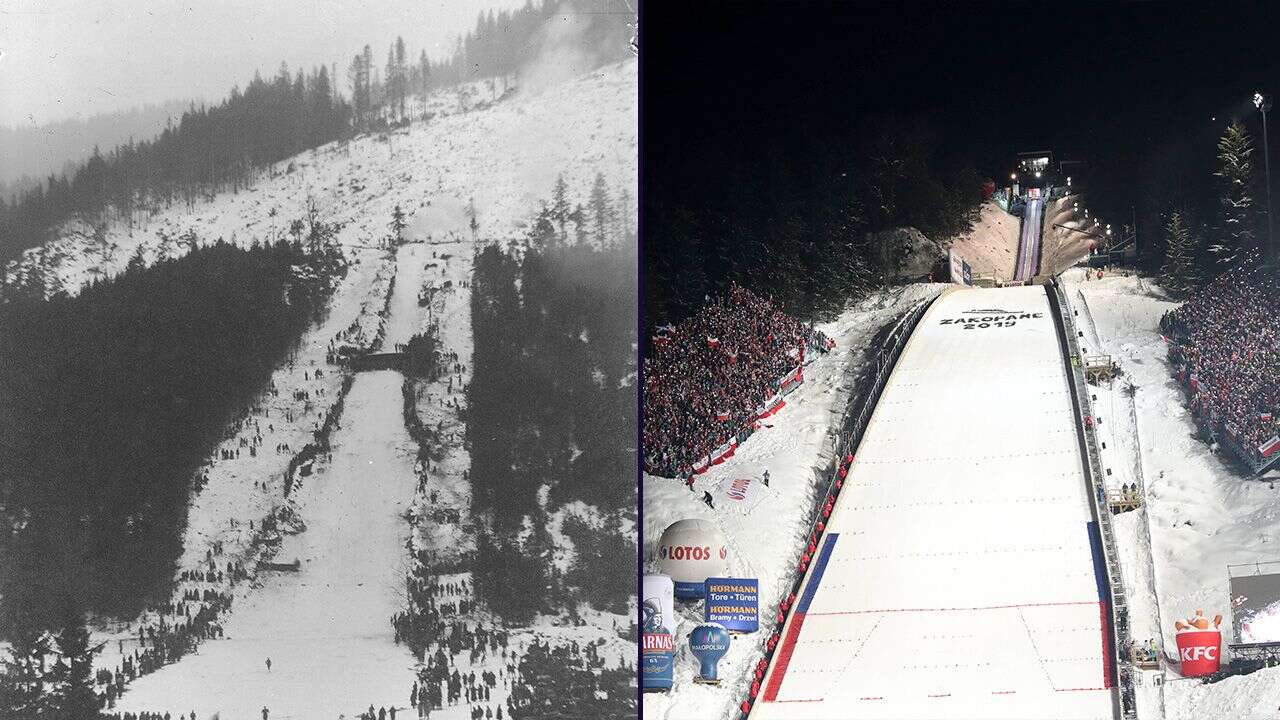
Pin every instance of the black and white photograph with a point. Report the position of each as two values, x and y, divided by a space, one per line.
318 370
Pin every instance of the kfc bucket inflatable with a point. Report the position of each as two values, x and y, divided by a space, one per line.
1199 645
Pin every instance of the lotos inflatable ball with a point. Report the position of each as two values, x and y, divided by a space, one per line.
689 552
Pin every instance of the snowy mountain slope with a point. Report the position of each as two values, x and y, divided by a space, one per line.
505 157
332 619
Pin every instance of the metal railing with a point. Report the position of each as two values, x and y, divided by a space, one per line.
1119 607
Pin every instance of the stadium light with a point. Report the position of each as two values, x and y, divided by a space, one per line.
1263 103
1037 173
1013 176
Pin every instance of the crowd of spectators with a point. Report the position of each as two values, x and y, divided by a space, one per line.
1225 342
706 377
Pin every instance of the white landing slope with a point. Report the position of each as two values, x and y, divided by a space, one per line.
960 582
327 629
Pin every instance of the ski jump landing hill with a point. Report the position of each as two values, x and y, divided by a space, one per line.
960 575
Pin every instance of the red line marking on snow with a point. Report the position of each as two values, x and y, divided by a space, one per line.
1106 645
800 700
1078 689
957 609
1003 692
784 658
871 698
941 695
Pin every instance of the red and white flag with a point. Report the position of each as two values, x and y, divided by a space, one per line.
1270 447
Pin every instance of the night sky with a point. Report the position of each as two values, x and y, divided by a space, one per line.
1132 89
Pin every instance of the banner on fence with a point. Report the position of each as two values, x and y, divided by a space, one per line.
734 603
1270 447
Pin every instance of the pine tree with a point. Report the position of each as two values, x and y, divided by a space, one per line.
1237 245
623 213
601 211
402 75
397 225
23 681
1178 274
72 674
560 205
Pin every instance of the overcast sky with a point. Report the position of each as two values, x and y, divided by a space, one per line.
69 58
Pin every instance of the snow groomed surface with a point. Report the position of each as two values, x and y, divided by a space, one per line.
957 577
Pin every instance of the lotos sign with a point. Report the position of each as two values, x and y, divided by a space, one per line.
1199 645
689 552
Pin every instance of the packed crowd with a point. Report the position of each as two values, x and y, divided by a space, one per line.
1225 342
707 376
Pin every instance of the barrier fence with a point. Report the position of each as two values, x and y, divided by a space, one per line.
853 424
1068 337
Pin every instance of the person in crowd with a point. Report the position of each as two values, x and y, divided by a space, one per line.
708 375
1225 343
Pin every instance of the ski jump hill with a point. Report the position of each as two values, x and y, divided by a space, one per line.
960 574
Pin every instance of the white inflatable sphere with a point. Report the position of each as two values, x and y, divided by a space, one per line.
689 552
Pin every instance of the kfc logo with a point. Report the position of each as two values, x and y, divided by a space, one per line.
1192 654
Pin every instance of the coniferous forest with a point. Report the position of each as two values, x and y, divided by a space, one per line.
551 412
111 400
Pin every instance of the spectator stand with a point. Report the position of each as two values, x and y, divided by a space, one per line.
1224 344
713 377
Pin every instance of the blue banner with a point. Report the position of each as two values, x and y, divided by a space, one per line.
733 603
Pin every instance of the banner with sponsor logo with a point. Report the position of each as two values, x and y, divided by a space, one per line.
743 493
733 603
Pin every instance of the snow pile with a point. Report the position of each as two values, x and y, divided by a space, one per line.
796 447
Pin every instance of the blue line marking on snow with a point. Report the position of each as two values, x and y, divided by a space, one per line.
820 567
1099 563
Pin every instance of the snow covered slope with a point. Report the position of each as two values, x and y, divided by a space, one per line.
956 578
327 628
